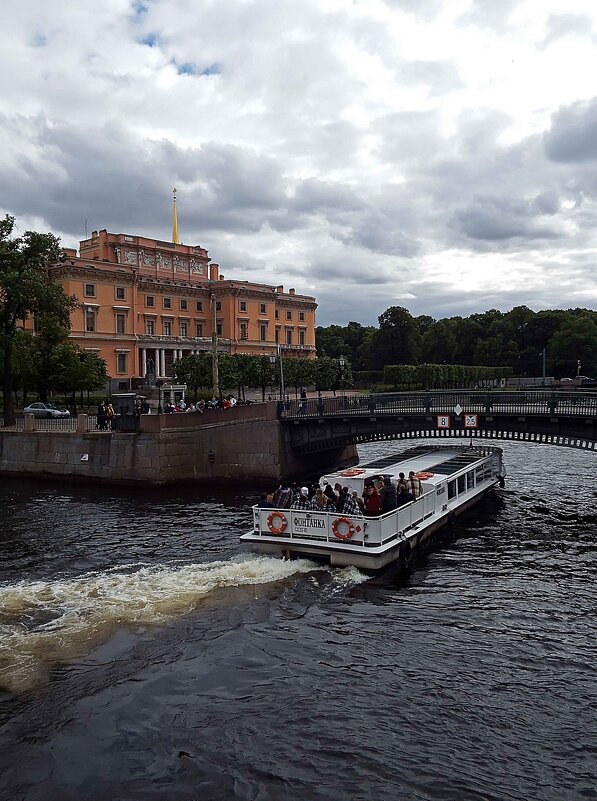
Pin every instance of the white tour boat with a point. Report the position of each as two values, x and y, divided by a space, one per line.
453 479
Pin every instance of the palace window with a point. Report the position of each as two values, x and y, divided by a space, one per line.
200 305
150 327
277 335
277 314
218 305
262 308
121 323
244 330
167 303
301 337
90 319
89 290
121 362
199 329
289 336
263 332
242 305
184 304
219 329
302 317
184 329
167 328
149 300
120 293
288 315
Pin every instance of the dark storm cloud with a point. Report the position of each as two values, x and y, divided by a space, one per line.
228 188
573 134
374 230
500 218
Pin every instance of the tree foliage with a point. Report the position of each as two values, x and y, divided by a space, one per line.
515 340
26 292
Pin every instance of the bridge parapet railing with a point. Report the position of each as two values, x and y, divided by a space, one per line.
542 401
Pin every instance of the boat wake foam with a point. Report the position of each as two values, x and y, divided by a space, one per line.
47 622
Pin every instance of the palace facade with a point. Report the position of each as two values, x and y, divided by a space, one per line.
145 303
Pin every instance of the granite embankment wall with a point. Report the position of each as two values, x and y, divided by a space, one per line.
245 444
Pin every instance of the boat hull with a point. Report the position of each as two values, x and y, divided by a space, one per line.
370 560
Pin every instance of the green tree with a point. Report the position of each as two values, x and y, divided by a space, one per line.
79 371
396 342
195 371
574 342
25 291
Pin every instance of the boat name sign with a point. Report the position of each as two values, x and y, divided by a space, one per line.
301 525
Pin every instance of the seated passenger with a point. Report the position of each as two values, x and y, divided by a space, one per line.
263 501
388 496
351 506
372 502
321 503
302 501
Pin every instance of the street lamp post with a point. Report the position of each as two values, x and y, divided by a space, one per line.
159 385
272 361
214 348
543 367
342 363
578 367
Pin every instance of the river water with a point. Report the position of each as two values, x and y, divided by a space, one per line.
145 655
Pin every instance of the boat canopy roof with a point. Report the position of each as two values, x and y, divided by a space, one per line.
438 462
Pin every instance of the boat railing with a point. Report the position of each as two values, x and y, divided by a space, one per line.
339 529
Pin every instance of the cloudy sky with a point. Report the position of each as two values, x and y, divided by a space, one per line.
434 154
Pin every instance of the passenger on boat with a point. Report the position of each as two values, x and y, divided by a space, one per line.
359 501
372 502
351 506
388 496
302 502
342 499
321 502
401 486
327 490
263 502
414 485
403 497
283 496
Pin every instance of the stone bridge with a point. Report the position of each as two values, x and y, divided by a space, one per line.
554 417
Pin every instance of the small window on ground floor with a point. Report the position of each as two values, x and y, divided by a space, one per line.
121 362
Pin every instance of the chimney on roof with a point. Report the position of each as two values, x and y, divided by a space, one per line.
291 291
280 288
213 271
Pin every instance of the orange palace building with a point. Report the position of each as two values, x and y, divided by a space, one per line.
146 303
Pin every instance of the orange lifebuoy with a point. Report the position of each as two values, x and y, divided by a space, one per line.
338 534
283 522
355 471
423 476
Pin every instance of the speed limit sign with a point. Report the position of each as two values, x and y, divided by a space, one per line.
471 421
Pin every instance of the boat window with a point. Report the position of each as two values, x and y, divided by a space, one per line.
461 484
451 489
470 479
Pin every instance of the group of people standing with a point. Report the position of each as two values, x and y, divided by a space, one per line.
379 495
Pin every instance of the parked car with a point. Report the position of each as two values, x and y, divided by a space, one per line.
40 409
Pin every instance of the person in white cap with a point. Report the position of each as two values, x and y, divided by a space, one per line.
302 502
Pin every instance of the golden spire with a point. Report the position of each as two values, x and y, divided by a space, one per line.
174 219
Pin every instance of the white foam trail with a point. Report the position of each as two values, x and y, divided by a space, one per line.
81 612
